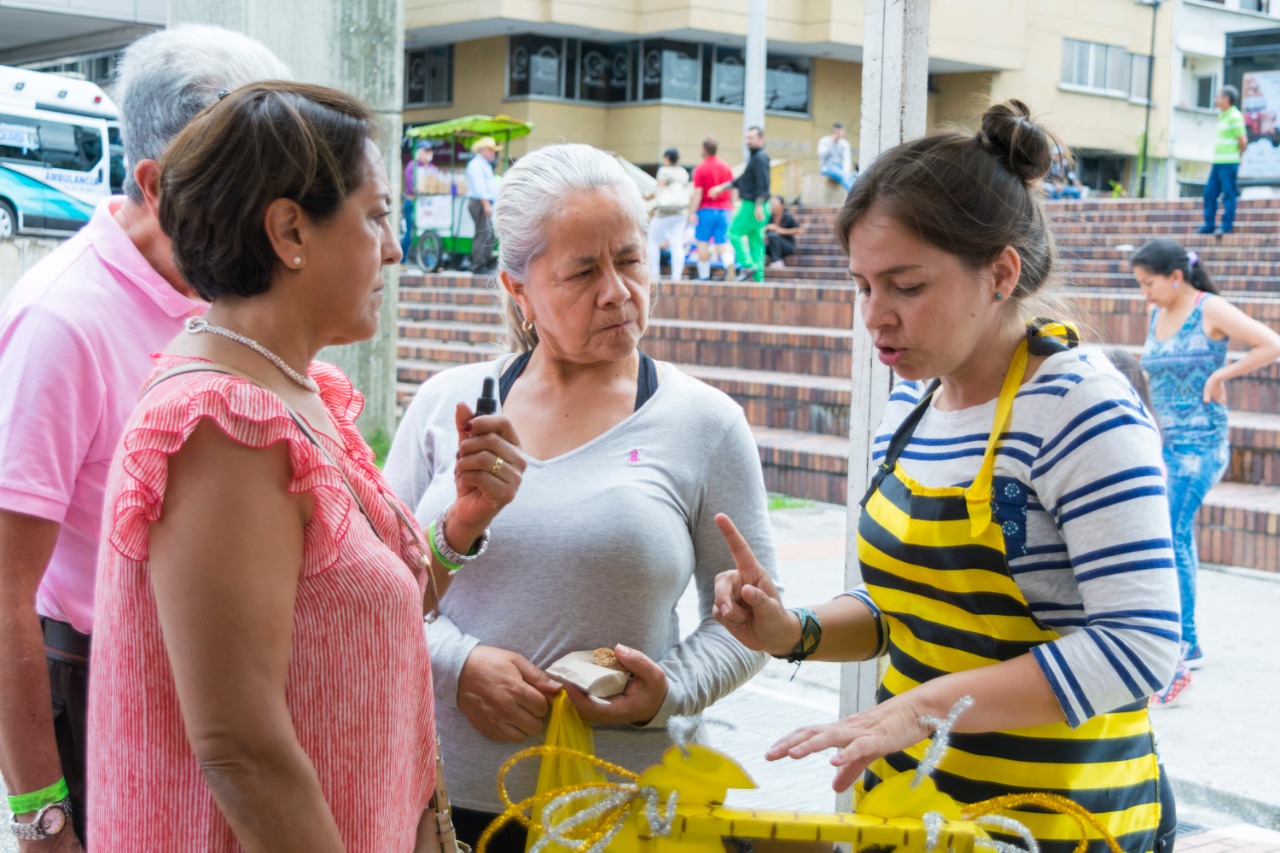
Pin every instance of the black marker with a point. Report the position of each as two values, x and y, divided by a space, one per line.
487 404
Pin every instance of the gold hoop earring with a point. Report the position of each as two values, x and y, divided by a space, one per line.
527 326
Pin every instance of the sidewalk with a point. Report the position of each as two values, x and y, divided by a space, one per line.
1221 743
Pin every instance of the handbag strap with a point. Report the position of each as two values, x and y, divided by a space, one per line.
306 429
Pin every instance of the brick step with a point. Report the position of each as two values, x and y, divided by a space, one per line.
804 465
790 349
1232 284
1255 448
1239 524
819 305
1226 266
414 290
1115 315
465 313
448 352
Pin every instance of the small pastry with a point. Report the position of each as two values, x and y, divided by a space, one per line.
607 659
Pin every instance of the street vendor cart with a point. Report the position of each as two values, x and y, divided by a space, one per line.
442 226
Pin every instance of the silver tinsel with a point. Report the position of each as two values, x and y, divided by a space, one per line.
610 797
941 736
1011 826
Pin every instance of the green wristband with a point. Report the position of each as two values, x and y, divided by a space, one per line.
36 800
435 549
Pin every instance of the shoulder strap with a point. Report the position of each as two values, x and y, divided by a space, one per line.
512 373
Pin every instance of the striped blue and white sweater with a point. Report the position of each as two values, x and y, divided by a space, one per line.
1080 494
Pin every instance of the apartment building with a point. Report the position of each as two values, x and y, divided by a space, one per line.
639 76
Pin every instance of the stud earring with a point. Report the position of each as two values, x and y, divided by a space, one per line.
999 296
297 262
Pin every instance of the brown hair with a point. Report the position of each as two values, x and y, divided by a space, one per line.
263 142
969 194
710 146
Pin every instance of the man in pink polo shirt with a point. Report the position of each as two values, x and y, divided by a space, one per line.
76 336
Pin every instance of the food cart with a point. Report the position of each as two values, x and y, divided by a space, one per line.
442 226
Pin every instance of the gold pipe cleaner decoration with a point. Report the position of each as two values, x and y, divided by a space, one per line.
1054 802
516 810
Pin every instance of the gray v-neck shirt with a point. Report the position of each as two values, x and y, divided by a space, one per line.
596 549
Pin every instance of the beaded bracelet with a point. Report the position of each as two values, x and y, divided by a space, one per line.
810 634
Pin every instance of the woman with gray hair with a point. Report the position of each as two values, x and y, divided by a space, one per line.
627 462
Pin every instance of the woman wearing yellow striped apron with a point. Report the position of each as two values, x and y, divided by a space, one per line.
1012 543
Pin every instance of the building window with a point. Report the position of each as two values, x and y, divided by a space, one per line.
728 79
1206 91
535 66
1101 67
604 72
671 71
651 70
1139 74
786 84
1263 6
428 77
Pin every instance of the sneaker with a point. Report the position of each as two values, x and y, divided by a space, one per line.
1193 657
1206 229
1169 696
745 273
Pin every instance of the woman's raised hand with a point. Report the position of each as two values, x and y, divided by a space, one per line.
747 601
487 472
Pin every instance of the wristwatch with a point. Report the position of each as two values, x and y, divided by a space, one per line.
50 820
446 550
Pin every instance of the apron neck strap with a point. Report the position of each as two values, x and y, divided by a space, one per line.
978 495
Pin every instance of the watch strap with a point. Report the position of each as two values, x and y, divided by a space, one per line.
35 831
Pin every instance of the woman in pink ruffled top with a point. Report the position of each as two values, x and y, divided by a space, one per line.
260 672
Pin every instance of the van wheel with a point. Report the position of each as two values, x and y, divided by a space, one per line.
8 220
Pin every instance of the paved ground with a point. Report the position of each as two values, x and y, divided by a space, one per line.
1221 744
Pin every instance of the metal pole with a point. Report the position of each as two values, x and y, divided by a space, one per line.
753 94
1146 129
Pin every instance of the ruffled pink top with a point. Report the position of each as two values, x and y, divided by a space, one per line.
359 679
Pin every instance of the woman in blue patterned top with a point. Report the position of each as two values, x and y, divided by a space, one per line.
1185 357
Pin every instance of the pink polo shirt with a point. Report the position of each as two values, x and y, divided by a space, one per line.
76 338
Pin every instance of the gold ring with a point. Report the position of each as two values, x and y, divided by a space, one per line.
497 466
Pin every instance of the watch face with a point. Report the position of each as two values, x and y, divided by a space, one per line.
53 820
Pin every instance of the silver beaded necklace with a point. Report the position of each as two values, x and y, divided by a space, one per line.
196 325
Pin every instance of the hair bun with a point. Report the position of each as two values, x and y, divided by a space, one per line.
1017 142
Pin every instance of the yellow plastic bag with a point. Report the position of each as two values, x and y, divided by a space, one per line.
566 730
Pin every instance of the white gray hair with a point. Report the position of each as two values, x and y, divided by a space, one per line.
166 78
537 186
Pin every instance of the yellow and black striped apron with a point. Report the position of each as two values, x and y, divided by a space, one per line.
934 562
